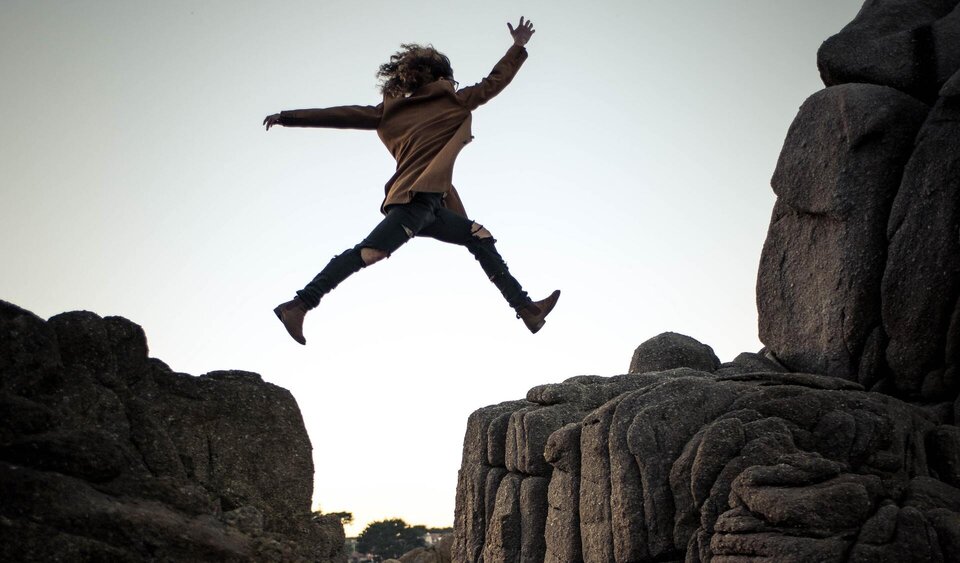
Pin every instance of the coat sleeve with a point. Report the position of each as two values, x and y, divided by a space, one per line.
501 75
341 117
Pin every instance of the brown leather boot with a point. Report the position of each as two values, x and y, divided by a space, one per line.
535 314
291 315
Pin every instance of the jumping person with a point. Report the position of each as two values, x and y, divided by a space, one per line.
424 121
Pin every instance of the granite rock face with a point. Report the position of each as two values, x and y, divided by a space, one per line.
671 350
836 442
694 465
860 273
822 265
910 45
108 455
921 283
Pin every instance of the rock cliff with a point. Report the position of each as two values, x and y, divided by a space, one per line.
836 442
109 455
860 272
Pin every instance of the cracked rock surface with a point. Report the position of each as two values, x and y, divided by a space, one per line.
107 454
694 465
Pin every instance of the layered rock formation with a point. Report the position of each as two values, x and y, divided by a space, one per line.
838 441
860 273
108 455
684 464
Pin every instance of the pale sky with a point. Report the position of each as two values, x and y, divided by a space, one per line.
628 165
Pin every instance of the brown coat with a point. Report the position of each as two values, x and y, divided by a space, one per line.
424 131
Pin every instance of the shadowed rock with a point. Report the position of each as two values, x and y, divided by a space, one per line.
921 283
562 528
109 455
807 450
692 465
480 476
671 350
818 291
910 45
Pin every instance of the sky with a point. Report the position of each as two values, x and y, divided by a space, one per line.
628 164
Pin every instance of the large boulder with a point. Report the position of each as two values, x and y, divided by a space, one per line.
859 276
921 283
818 288
910 45
670 350
107 454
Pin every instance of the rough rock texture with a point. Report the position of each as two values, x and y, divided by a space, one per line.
823 261
921 284
671 350
860 274
836 442
690 465
108 455
910 45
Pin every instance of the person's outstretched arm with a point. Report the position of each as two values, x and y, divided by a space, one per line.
341 117
503 72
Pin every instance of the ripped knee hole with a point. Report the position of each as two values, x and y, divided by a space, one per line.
372 255
479 231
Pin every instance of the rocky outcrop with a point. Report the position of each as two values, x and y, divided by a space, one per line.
921 283
108 455
692 465
860 273
836 442
910 45
821 271
671 350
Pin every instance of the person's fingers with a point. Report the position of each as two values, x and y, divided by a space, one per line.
521 21
509 25
265 119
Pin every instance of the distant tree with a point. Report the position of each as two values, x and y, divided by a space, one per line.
447 530
390 538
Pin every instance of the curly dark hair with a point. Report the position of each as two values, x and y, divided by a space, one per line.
411 67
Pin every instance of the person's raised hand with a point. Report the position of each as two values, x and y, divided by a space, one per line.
271 120
522 33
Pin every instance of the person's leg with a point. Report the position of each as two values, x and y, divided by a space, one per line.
400 225
452 228
455 229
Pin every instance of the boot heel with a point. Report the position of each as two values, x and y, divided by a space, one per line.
535 314
291 315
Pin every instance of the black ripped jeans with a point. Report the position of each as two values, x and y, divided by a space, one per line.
424 216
